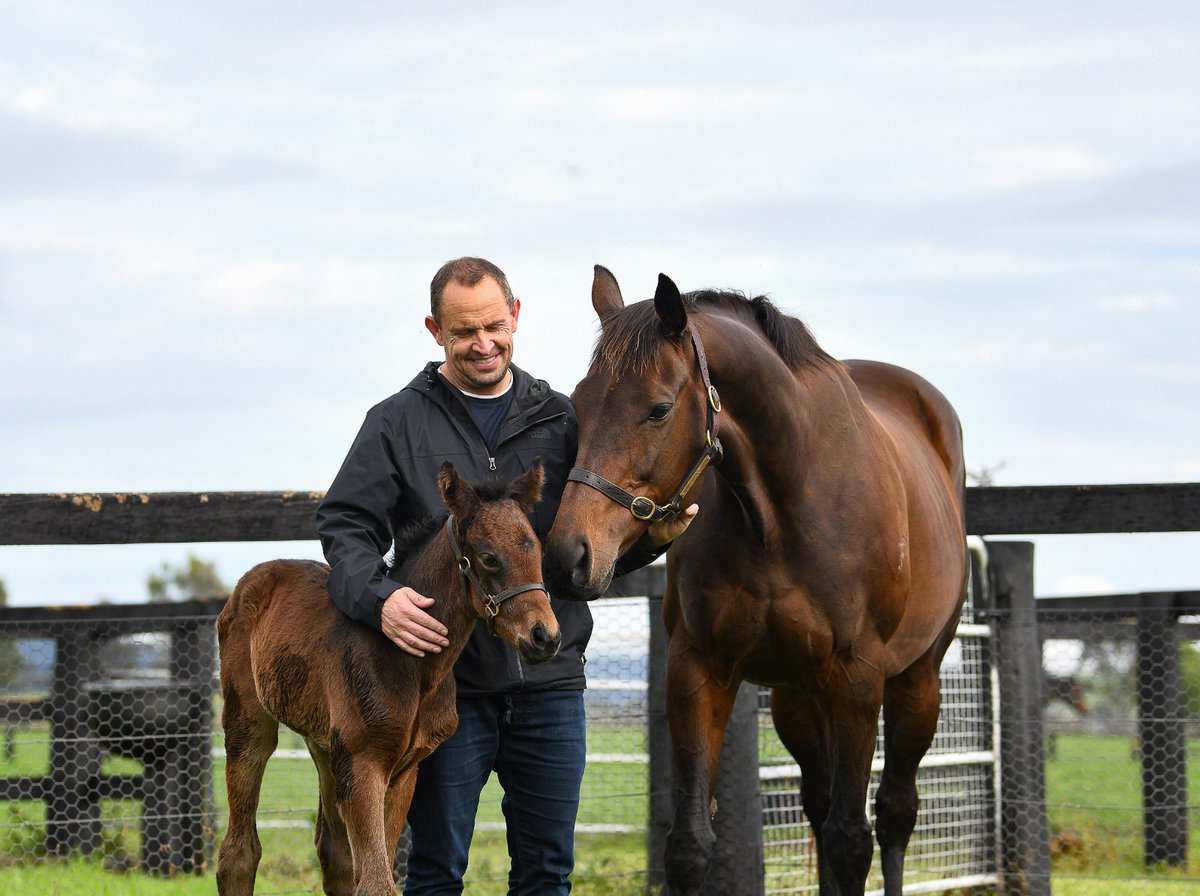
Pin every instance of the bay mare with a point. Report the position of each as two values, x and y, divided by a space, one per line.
368 711
828 559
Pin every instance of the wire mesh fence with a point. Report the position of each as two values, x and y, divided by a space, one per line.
110 752
1120 736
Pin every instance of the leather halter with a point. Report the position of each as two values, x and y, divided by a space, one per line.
643 508
491 602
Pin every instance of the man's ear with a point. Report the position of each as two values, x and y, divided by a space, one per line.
432 326
516 311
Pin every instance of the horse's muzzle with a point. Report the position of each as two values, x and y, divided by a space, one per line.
567 568
541 645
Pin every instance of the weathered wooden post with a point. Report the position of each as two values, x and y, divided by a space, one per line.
1162 729
1023 827
73 798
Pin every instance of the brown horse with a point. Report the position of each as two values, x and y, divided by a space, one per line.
368 711
828 559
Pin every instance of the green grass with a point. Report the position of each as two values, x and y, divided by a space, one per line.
1093 788
609 864
1093 800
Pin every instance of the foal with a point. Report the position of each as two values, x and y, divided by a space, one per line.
368 711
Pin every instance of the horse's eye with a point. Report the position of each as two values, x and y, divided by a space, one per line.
660 411
489 561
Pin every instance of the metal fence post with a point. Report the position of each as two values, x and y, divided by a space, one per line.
1162 730
1024 830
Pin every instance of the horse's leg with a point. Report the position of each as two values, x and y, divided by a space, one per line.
250 739
853 692
395 809
698 709
911 701
801 728
360 783
333 846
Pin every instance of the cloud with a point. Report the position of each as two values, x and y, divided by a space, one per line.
1016 167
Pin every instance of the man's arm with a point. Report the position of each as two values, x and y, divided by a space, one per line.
353 522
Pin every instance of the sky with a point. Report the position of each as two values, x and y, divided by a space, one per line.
218 223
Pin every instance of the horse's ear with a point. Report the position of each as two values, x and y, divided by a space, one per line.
456 491
606 294
527 488
668 303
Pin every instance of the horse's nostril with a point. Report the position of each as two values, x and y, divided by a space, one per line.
582 572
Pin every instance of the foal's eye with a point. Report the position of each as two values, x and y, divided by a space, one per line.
489 561
660 411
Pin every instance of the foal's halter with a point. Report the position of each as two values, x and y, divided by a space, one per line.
644 508
491 602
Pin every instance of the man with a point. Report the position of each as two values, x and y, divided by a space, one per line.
526 723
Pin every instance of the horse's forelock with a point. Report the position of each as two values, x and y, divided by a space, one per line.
629 341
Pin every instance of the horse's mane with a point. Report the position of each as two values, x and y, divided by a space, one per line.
631 337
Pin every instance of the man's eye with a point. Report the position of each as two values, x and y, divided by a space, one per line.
660 411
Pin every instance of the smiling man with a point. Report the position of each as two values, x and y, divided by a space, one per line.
488 417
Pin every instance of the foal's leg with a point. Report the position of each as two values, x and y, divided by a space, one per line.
333 847
250 739
699 709
360 782
395 809
801 728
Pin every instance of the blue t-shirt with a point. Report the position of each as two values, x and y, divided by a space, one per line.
488 414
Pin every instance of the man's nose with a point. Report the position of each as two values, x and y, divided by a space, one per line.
484 342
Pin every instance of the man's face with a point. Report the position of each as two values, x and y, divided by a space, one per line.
476 330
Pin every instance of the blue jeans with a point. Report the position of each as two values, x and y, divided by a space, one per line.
535 743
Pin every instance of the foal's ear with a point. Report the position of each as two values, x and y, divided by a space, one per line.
668 303
606 294
456 491
527 488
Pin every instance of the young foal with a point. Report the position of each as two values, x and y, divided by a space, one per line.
368 711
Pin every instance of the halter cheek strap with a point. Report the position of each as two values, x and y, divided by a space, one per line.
491 602
643 508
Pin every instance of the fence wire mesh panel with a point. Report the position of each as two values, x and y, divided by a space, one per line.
107 728
111 752
1120 735
954 844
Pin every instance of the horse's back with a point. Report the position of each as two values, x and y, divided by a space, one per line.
258 588
901 398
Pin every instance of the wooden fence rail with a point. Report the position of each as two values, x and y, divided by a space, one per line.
165 517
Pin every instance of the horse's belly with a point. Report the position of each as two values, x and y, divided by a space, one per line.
778 642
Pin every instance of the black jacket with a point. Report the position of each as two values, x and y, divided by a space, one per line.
389 480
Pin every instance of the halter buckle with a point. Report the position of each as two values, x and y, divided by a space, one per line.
714 399
490 607
643 502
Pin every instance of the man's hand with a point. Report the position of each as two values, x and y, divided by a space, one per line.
409 626
665 531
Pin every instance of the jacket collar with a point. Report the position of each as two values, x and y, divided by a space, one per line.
529 393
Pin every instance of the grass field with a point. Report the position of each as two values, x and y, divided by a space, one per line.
1093 798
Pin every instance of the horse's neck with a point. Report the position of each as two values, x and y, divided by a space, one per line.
778 426
434 573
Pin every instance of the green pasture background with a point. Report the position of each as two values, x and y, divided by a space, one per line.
1093 795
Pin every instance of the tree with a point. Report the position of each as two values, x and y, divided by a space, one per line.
193 578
